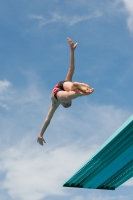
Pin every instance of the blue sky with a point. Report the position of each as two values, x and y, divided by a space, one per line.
34 56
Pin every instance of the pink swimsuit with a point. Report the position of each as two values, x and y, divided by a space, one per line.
57 88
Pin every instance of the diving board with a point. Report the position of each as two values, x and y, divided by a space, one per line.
111 165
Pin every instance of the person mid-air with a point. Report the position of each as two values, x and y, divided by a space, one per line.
64 92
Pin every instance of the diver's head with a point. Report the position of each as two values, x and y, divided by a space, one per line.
66 104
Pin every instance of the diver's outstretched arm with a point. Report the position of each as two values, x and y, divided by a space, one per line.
72 66
49 116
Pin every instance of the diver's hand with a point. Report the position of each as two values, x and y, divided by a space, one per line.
41 140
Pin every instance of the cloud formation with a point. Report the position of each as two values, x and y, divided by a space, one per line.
4 85
128 4
129 183
31 172
93 196
5 93
70 20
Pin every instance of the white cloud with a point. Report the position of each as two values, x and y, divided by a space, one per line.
4 85
107 197
70 20
11 97
4 106
96 196
31 171
5 93
94 9
37 17
78 198
129 183
129 8
128 4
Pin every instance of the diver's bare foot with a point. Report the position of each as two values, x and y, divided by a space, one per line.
81 93
89 91
82 86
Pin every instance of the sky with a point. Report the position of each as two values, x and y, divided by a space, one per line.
34 57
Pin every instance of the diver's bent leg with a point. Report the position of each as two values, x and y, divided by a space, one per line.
64 96
67 85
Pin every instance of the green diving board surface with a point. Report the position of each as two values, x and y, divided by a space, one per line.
111 165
